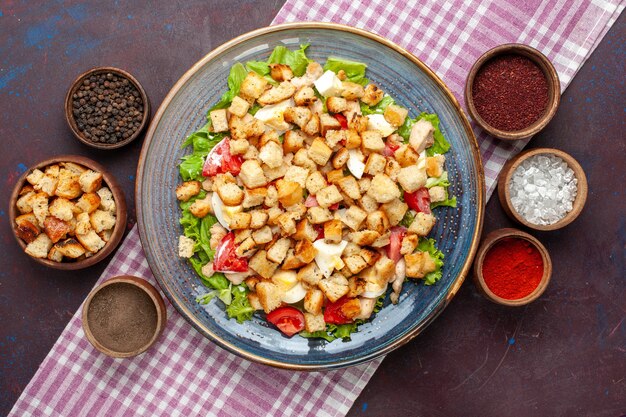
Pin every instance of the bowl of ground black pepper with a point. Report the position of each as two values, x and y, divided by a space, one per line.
106 108
512 91
124 316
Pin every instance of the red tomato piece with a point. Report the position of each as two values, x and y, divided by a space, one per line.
333 206
225 258
390 148
395 243
311 201
342 120
289 320
333 314
320 231
418 200
220 161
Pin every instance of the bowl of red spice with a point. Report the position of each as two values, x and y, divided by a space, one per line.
512 91
106 108
124 316
512 268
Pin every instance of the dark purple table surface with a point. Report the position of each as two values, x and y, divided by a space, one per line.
564 355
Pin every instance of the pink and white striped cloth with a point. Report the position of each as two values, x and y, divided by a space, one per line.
185 374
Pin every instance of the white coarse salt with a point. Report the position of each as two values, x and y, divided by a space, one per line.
543 189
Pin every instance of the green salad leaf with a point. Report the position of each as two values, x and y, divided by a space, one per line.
448 202
236 76
320 334
355 71
342 331
378 108
440 146
296 60
438 181
408 218
428 245
240 308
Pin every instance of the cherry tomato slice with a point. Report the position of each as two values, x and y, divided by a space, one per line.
320 231
226 259
395 243
418 200
289 320
342 120
390 148
220 161
333 314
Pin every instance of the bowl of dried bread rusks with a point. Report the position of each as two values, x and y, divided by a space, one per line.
67 212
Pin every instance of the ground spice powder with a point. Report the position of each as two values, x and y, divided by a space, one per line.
510 92
122 317
512 268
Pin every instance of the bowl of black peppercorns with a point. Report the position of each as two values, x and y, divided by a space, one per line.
106 108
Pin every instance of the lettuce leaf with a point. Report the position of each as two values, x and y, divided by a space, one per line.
428 245
236 76
355 71
407 219
438 181
296 60
342 331
320 334
440 146
448 202
240 308
379 108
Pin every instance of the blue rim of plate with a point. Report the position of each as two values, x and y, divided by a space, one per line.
371 355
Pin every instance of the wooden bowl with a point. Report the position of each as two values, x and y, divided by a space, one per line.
488 242
69 114
554 90
118 196
113 286
504 194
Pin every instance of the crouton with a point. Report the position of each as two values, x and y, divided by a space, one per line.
351 308
319 215
293 141
334 176
273 213
334 287
69 185
251 153
358 123
392 169
301 158
91 241
90 181
353 217
39 203
262 235
230 194
269 295
434 165
313 301
252 86
101 220
310 274
55 229
258 219
315 182
305 251
352 91
53 170
281 72
378 221
253 197
246 248
350 186
419 264
278 251
412 178
253 299
422 135
395 114
107 202
409 243
188 189
385 268
372 140
314 322
217 232
364 237
328 122
262 265
395 211
70 248
437 194
83 223
278 93
296 174
251 282
26 227
242 234
383 189
335 137
24 203
54 255
422 224
202 206
375 164
382 240
48 184
372 95
368 203
39 247
312 127
353 139
75 168
355 263
219 120
336 104
369 255
340 158
333 231
34 177
305 96
299 116
292 261
328 196
364 184
88 202
272 154
238 146
239 107
304 230
406 156
239 221
319 152
252 175
289 192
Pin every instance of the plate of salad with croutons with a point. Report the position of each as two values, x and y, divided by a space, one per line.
310 196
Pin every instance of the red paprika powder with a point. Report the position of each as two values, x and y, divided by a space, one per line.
512 268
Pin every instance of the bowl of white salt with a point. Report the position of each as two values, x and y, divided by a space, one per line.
543 188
